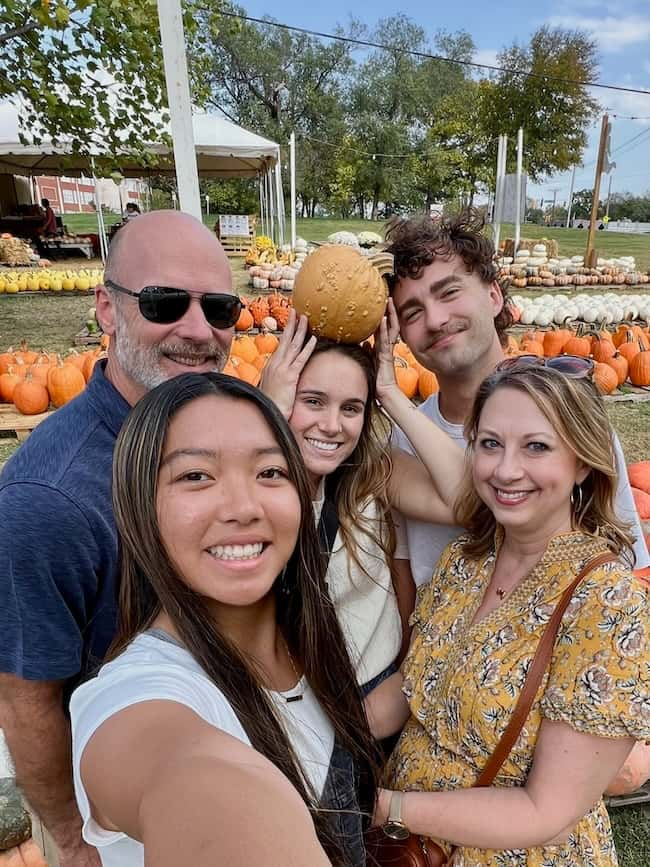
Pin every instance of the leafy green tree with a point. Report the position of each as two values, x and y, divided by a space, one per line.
459 133
581 204
276 82
89 71
394 100
554 114
231 196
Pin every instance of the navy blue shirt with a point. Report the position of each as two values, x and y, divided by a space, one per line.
58 548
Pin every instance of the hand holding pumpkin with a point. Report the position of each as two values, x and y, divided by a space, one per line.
385 339
282 372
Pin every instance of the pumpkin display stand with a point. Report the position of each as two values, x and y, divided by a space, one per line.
21 425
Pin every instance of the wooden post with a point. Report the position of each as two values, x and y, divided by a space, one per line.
590 253
172 38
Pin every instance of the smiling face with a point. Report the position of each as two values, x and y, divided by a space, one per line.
155 250
522 470
446 316
328 413
227 512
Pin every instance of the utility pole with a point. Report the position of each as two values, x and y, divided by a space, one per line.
555 191
609 193
590 253
570 202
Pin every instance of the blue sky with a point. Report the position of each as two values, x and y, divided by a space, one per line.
621 29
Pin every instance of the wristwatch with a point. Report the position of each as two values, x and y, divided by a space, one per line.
394 827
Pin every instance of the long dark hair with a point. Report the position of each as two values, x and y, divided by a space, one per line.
149 583
364 476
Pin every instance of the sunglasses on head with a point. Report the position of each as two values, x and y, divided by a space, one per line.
573 366
164 304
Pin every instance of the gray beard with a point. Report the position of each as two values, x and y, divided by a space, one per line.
143 365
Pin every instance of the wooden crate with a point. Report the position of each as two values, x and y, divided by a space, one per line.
85 338
21 425
237 245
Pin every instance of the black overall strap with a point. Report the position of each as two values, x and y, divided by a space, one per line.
328 523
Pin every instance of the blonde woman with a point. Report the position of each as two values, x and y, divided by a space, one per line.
538 505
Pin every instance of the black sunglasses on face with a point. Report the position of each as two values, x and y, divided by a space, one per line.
164 304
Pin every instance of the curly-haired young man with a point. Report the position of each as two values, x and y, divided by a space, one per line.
453 315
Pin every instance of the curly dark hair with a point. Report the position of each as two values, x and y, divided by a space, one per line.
416 242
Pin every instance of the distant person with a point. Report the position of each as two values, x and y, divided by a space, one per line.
132 210
49 227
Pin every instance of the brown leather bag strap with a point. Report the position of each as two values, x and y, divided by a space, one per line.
534 677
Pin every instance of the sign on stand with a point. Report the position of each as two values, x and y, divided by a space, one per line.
233 225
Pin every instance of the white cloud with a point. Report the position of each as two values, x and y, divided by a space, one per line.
486 55
612 33
8 121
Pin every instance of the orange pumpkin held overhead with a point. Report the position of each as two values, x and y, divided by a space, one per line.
342 294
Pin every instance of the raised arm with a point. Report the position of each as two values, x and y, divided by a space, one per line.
427 496
569 774
193 794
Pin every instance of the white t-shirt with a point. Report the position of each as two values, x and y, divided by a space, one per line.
154 669
423 543
366 605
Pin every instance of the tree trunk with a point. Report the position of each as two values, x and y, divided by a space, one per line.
375 203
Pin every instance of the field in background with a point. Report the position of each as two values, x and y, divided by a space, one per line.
572 242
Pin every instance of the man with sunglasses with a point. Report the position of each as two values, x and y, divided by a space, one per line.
453 315
168 306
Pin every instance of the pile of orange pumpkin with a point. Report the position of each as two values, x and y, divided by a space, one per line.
618 356
270 313
32 380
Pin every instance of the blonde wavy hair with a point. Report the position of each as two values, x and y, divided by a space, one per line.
577 413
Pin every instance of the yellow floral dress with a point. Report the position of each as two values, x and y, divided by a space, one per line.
462 681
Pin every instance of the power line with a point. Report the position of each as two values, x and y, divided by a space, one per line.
627 116
367 43
372 154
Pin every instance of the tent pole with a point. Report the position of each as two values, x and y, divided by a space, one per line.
269 213
180 108
101 230
280 197
292 164
259 189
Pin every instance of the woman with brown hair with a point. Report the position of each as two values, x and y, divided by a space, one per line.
327 393
229 668
538 504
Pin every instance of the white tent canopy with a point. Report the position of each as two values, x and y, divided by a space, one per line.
223 150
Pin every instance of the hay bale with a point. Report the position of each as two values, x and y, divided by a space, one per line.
552 247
